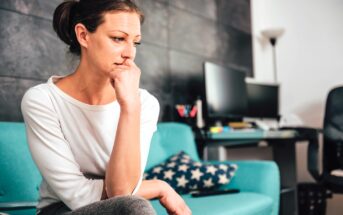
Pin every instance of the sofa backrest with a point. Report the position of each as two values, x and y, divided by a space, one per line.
169 139
19 176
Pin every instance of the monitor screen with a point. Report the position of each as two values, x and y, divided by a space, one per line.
263 100
225 92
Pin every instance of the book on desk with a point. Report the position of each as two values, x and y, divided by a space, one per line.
252 133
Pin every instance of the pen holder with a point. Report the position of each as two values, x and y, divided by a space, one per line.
186 113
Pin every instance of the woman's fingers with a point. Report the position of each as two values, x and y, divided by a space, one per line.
182 209
128 62
125 81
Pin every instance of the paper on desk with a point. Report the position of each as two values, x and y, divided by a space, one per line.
337 172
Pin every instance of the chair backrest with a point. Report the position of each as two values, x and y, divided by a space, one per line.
333 131
19 176
169 139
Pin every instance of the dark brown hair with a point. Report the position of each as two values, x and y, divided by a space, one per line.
89 13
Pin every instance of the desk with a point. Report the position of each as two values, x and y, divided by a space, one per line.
283 147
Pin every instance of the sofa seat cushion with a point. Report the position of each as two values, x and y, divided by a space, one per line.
243 203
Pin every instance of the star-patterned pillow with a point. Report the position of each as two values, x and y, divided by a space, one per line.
186 175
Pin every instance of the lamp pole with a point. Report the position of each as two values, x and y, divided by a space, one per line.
273 42
273 34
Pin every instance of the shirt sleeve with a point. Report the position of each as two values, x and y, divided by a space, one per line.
52 154
150 109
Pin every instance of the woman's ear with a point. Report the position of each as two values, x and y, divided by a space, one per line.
81 33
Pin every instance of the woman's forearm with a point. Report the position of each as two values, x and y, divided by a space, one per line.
151 189
123 170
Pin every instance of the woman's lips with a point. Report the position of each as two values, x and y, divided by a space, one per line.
121 66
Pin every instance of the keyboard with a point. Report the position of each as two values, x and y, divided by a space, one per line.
280 134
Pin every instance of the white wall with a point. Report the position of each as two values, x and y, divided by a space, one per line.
309 60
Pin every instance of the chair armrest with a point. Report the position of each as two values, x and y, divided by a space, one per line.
256 176
17 205
312 135
312 155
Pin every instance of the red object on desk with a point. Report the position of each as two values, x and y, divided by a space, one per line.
193 111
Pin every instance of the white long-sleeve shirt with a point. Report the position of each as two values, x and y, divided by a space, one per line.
71 142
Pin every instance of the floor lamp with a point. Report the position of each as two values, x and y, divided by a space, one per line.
272 35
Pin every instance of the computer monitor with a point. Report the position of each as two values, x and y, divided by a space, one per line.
225 93
263 100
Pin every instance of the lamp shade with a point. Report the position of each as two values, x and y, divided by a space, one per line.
273 33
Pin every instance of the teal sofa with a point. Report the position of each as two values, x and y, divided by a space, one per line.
258 181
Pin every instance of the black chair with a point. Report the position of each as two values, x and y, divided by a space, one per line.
312 196
332 144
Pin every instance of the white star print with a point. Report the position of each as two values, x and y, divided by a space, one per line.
183 167
169 174
198 164
223 179
182 181
185 160
211 169
208 183
193 187
174 158
186 157
172 164
196 174
223 167
157 169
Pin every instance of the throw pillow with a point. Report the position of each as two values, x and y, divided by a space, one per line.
186 175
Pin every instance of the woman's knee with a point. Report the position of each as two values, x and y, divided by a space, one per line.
133 205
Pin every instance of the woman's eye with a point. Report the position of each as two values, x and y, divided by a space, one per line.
137 44
118 39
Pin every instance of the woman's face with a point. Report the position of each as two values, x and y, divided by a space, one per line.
114 41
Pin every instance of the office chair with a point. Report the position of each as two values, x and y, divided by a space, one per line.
312 196
330 177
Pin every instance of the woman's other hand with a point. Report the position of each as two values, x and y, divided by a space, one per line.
125 81
172 201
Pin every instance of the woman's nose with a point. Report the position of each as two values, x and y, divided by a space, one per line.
129 51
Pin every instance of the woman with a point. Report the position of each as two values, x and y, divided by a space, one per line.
89 132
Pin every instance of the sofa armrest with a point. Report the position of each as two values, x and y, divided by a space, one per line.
17 205
256 176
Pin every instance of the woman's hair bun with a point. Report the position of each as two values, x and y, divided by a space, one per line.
63 21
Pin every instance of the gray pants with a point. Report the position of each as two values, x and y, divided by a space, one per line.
126 205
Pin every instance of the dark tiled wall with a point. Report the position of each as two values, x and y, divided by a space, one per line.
178 36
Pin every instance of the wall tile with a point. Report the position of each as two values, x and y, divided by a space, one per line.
178 36
29 47
192 34
236 49
205 8
11 93
187 76
40 8
235 13
155 27
155 77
